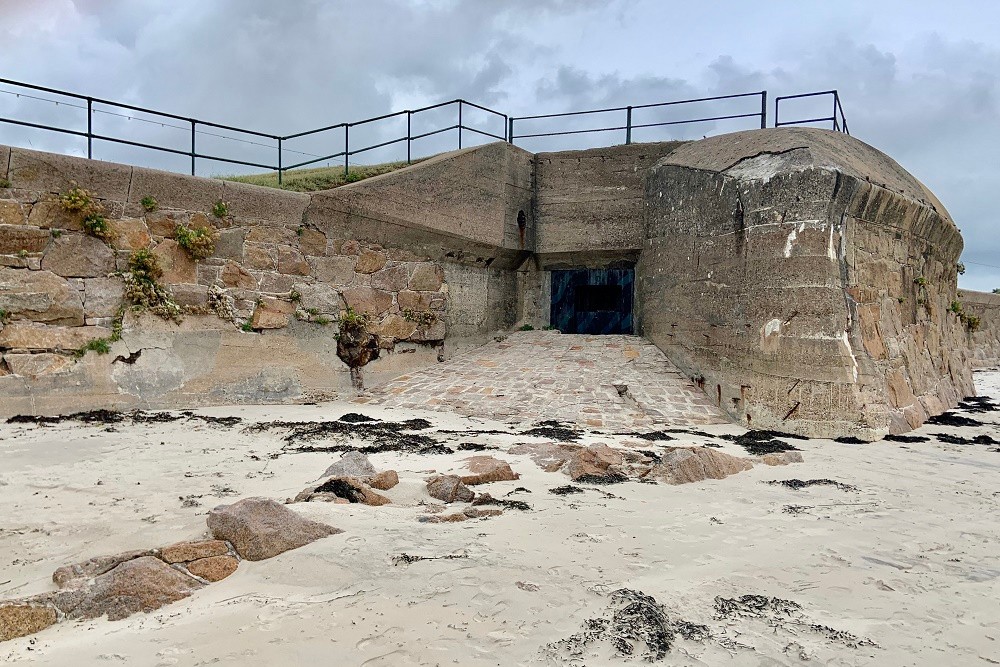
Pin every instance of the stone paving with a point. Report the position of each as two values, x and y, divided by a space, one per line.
599 381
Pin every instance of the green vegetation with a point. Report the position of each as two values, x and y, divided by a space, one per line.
247 326
4 183
143 290
97 225
960 267
198 242
970 321
322 178
82 202
4 316
220 209
98 345
421 318
996 290
920 280
149 204
526 327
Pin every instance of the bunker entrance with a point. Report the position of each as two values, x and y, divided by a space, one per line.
592 301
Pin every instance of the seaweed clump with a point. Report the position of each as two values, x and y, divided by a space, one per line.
760 443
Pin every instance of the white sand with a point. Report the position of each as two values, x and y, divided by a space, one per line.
910 561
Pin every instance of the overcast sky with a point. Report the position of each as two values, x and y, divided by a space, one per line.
919 80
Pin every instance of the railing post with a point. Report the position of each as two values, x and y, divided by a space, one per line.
763 109
90 128
836 125
460 125
193 122
628 125
279 160
347 149
510 130
409 134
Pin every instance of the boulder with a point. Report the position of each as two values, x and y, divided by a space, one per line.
351 464
450 489
213 568
781 458
15 239
351 489
22 618
681 465
141 584
384 480
595 461
79 574
199 549
396 327
549 456
78 256
259 528
41 296
464 515
486 469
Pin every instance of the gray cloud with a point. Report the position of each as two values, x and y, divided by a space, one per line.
919 81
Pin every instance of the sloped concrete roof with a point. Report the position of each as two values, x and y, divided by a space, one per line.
805 147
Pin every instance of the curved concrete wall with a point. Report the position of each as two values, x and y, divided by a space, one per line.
805 280
986 338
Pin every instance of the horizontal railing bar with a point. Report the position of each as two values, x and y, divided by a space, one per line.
316 131
639 106
384 143
434 106
557 134
485 134
223 159
799 122
307 162
482 108
792 97
140 144
698 120
372 120
42 127
428 134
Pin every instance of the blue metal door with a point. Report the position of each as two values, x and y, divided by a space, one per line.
592 301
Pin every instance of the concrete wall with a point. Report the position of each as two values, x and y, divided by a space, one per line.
985 340
426 251
804 279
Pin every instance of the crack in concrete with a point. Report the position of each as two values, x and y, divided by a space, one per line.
757 155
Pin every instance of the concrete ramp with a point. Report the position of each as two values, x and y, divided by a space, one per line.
613 382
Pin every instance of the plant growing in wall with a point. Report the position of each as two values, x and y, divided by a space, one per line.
81 202
198 242
4 183
142 287
149 204
960 267
356 345
220 209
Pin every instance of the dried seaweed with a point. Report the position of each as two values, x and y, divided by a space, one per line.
566 490
798 484
759 443
952 419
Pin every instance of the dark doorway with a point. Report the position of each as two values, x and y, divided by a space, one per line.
592 301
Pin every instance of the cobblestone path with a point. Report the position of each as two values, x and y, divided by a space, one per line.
600 381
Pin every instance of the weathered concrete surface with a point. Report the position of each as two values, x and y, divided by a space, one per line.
593 200
985 340
803 278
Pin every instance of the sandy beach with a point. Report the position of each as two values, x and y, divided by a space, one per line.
890 560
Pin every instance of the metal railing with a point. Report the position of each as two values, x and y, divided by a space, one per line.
277 143
629 125
839 122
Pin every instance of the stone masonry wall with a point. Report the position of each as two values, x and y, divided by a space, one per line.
985 340
804 279
261 313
